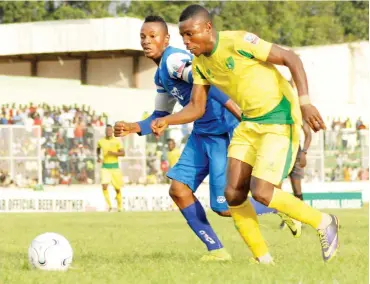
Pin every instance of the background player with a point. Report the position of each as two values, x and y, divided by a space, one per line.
266 142
110 171
173 154
297 173
205 151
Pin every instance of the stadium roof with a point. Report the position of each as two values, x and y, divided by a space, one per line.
75 38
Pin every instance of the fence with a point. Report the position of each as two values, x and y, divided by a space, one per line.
63 156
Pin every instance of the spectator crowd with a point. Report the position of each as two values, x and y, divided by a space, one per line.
68 137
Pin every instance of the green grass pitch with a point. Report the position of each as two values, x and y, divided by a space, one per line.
158 247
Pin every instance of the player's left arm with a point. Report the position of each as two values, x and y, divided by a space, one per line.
120 151
290 59
269 52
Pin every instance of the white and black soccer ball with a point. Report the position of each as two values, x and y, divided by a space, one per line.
50 251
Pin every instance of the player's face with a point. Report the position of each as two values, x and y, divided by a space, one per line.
196 34
154 40
109 131
171 145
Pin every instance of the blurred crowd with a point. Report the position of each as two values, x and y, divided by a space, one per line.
67 143
69 135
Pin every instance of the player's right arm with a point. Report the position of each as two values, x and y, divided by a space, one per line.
98 152
251 45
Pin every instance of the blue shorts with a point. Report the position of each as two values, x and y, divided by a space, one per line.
204 155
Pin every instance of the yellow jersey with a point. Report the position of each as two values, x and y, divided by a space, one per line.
173 156
106 145
238 67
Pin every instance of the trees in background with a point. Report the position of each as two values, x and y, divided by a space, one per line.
289 23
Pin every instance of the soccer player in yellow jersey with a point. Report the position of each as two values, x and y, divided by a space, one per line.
110 171
173 153
263 148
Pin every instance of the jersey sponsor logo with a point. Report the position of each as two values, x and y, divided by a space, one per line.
207 237
251 38
175 92
230 63
221 199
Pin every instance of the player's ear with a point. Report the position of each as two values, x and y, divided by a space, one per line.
209 27
167 39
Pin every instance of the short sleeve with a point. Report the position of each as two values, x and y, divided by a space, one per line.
163 100
177 65
251 46
198 77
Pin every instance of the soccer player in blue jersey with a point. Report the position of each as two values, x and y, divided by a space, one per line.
206 149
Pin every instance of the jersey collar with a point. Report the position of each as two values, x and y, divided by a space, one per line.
216 44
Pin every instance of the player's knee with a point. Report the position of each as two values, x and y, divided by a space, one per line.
261 195
225 213
235 196
179 191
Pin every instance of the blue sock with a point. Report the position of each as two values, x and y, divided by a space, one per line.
260 208
197 220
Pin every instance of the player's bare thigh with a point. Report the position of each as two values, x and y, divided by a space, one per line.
238 180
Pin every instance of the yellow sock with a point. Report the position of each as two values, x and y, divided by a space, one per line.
107 198
245 219
119 199
295 208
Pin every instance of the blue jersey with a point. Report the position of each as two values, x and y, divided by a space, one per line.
174 82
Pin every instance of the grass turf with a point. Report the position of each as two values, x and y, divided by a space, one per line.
158 247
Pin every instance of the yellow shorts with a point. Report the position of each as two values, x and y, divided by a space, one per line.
270 149
113 176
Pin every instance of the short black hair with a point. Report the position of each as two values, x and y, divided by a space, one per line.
156 19
108 125
194 10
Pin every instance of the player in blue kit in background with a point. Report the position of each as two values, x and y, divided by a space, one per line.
206 149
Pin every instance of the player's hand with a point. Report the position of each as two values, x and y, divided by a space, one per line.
302 159
98 160
121 129
159 126
312 116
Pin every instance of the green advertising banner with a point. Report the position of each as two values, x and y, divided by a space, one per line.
334 199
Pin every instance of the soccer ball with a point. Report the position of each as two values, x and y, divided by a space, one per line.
50 251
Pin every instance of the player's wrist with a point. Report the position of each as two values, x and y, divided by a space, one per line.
304 100
304 151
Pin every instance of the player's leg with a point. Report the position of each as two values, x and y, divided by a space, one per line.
296 186
242 210
242 156
216 147
105 181
268 172
186 176
117 182
216 150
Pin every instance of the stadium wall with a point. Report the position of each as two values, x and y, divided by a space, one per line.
156 198
110 72
118 103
